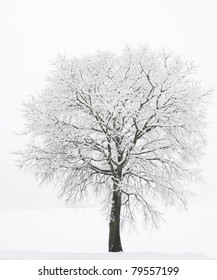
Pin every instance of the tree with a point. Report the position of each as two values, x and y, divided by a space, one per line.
127 126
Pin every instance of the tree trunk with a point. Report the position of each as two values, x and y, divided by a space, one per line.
114 224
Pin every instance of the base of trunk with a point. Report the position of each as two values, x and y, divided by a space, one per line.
116 248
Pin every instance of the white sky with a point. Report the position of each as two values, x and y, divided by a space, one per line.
33 32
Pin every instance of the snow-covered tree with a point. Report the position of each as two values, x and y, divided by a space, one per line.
128 127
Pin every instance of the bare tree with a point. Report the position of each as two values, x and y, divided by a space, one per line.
127 126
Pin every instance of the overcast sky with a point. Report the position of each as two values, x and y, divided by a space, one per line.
33 32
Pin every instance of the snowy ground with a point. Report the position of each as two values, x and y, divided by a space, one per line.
83 233
28 255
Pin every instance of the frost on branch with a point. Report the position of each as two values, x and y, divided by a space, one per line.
130 123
